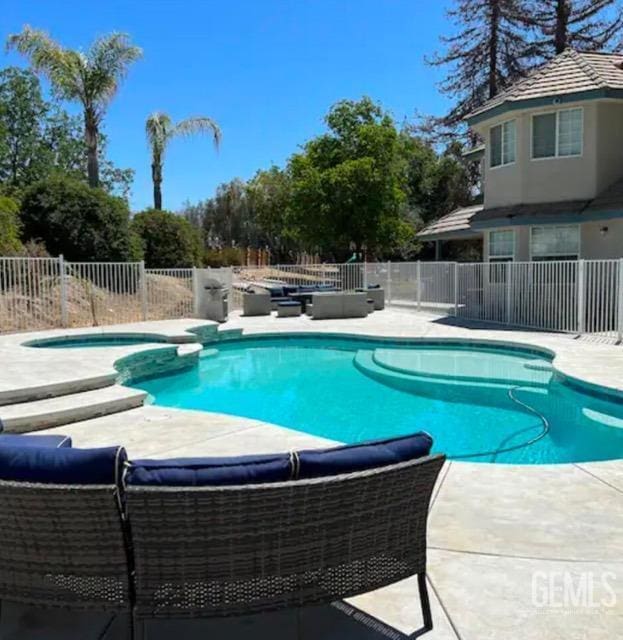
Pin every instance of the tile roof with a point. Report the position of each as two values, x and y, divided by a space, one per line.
568 73
455 224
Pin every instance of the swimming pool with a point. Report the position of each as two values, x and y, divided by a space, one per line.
480 403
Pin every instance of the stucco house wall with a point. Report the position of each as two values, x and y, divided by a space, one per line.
530 180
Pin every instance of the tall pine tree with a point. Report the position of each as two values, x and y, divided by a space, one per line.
491 49
587 25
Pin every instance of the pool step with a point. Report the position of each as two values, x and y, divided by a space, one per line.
57 411
448 390
55 389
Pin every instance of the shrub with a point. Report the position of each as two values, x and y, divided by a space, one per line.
9 226
77 221
227 257
169 241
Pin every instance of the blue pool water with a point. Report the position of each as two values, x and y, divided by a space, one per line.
479 404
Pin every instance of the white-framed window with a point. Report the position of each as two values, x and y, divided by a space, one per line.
555 242
502 245
502 143
557 134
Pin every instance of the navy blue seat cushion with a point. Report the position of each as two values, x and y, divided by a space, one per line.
315 463
374 286
289 303
15 440
198 472
62 465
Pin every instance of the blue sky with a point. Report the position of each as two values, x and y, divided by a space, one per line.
265 70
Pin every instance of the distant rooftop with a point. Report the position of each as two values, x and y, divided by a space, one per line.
455 223
570 72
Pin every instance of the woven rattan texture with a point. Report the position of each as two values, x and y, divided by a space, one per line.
238 550
63 546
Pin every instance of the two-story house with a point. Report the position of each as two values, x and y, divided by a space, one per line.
552 166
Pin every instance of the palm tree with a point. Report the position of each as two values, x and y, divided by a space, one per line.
90 77
160 129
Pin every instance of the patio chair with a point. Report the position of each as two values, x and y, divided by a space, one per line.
218 538
374 292
64 566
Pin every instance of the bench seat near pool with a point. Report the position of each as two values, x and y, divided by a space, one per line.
212 537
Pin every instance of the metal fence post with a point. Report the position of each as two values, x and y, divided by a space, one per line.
581 296
143 285
195 284
508 278
456 289
418 277
365 275
389 282
620 302
63 291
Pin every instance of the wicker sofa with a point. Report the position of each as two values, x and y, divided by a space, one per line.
203 538
339 305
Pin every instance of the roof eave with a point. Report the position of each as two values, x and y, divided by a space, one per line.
534 103
462 234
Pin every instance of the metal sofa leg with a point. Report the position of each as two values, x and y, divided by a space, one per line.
424 602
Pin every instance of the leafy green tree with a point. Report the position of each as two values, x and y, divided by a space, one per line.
168 240
91 78
436 183
160 130
78 221
269 194
9 226
347 185
227 219
38 139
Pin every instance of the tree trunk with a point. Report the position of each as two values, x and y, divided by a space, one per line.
90 139
494 36
156 176
561 35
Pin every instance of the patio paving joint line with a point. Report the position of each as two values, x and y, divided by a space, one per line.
593 475
443 607
521 557
442 479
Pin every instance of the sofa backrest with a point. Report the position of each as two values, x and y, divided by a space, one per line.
64 540
229 550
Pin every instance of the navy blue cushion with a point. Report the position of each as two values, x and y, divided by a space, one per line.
316 463
16 440
374 286
289 303
275 292
198 472
62 466
288 289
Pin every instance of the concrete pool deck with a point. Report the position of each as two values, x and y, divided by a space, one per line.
504 540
